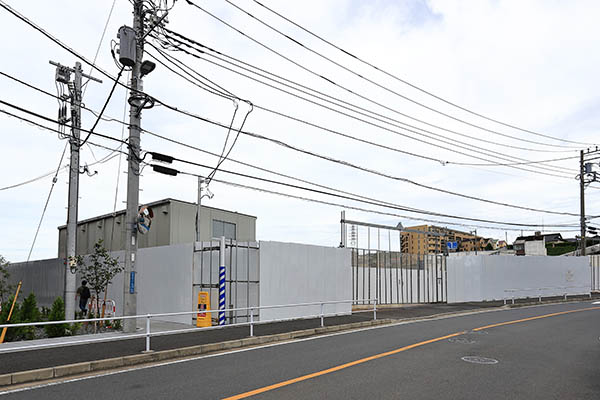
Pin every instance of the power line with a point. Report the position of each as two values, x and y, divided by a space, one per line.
354 92
163 169
64 46
281 143
124 124
333 160
30 23
91 131
54 180
219 55
54 121
354 198
384 128
393 76
456 143
112 7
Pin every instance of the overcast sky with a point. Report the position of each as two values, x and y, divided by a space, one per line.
533 64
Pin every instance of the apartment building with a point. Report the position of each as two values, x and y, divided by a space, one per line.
431 239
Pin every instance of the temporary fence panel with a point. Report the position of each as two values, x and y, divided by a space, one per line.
396 278
241 276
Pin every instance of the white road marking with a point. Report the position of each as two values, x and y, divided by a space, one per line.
166 363
596 302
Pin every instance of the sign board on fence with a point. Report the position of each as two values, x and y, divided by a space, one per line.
452 245
203 318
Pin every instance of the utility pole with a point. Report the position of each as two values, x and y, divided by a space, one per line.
343 229
199 207
582 200
200 183
133 170
63 75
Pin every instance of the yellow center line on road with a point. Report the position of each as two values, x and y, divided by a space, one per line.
534 318
388 353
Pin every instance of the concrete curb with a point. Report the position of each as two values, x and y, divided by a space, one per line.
135 359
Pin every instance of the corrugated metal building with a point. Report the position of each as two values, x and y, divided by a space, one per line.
174 222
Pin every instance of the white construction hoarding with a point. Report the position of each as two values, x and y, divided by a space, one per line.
487 278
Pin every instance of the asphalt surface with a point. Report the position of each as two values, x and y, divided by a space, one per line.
546 358
51 357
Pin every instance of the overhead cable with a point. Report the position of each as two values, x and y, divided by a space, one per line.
411 84
54 180
377 203
466 146
423 132
52 38
330 81
171 171
219 55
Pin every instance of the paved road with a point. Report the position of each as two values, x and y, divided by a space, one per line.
27 360
554 357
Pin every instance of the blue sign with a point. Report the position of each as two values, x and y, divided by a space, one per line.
132 282
452 245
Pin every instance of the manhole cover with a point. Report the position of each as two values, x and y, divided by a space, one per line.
461 340
479 360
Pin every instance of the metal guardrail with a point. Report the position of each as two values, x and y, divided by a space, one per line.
540 290
148 317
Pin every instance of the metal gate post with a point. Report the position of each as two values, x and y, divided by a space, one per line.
375 310
322 316
251 322
148 332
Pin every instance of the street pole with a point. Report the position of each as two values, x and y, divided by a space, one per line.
198 211
73 198
343 229
133 172
63 76
582 201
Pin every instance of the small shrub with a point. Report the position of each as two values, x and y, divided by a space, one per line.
57 313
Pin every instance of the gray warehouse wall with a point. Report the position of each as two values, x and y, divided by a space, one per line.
45 278
174 222
183 223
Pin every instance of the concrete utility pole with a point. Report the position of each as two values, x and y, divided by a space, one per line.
582 200
200 183
63 76
133 171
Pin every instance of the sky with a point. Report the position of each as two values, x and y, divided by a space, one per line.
530 64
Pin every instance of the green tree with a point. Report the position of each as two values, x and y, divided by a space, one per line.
489 246
29 312
99 272
5 288
57 313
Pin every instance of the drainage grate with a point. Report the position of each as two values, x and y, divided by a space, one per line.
479 360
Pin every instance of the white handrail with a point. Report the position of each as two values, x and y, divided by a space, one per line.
148 317
540 289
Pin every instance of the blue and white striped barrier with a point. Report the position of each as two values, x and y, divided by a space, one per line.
222 294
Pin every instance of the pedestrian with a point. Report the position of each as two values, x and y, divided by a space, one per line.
84 295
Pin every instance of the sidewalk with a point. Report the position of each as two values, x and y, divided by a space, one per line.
25 360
